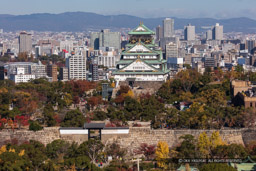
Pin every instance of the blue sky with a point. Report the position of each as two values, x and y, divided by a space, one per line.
142 8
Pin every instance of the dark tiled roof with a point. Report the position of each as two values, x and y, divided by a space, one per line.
94 125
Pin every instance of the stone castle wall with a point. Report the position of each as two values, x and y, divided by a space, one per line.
155 85
130 141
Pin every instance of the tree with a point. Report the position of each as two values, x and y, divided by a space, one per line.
129 93
204 145
115 150
73 118
22 120
12 161
94 101
76 100
34 126
35 151
162 154
99 115
151 107
68 99
213 97
187 149
188 78
91 148
147 150
216 140
239 69
132 108
57 149
49 114
216 167
124 89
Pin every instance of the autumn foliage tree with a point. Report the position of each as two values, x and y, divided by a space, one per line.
22 121
94 101
162 154
147 150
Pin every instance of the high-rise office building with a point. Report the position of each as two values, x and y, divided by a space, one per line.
159 33
25 42
209 35
52 72
2 72
76 64
94 71
217 32
64 74
250 44
168 27
171 50
105 38
189 32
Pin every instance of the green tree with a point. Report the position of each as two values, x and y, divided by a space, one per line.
73 118
49 115
34 126
57 149
187 149
35 152
12 161
91 148
216 167
115 150
239 69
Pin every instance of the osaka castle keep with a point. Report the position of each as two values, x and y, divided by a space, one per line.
141 63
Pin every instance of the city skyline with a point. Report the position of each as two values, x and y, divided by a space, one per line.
164 8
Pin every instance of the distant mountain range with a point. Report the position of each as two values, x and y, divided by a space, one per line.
81 21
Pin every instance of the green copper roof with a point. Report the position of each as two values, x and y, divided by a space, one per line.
143 31
152 52
146 61
244 166
142 73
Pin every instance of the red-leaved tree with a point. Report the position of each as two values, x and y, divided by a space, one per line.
147 150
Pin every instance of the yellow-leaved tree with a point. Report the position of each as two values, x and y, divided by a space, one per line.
216 140
3 149
129 93
22 152
68 99
113 85
162 154
204 144
12 150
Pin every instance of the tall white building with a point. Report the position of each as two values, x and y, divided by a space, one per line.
168 27
217 32
189 32
209 35
76 64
